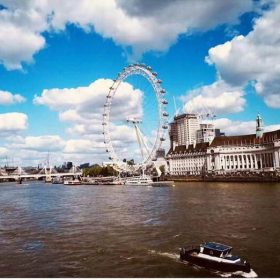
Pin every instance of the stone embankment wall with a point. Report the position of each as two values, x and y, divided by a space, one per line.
229 177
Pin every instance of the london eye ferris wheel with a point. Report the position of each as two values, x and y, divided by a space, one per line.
134 135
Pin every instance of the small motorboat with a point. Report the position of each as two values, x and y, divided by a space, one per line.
216 256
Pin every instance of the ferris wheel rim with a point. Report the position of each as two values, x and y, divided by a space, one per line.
151 77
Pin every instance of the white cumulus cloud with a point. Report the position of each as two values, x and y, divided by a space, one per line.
142 25
42 143
3 151
254 57
218 98
238 127
231 127
20 36
7 98
13 122
83 146
74 103
83 106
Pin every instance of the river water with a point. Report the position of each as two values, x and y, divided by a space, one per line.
123 231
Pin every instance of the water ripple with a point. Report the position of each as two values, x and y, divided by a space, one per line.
112 231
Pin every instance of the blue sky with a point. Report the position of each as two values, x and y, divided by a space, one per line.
56 62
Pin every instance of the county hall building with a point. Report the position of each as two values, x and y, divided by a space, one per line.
201 149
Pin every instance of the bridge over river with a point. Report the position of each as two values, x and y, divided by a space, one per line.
46 173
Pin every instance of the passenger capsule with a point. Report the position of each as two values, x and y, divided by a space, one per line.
165 126
162 139
165 102
165 114
163 91
149 68
154 73
159 81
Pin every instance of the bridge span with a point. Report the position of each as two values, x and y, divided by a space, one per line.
37 176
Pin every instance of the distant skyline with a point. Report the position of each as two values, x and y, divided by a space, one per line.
57 59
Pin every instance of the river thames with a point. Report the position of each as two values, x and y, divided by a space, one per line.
120 231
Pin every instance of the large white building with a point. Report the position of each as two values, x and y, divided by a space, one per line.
187 160
189 141
224 154
252 152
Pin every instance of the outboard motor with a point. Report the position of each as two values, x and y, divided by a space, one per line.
247 267
182 253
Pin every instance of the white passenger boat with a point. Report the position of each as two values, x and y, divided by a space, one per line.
142 180
116 182
72 182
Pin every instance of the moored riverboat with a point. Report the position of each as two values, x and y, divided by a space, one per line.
57 180
215 256
142 180
72 182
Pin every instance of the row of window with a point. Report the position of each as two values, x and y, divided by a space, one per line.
240 148
247 161
186 169
240 166
187 162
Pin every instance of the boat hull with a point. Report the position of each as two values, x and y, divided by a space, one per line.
137 184
188 256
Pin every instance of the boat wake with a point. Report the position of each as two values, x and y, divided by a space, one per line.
251 274
176 257
166 254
